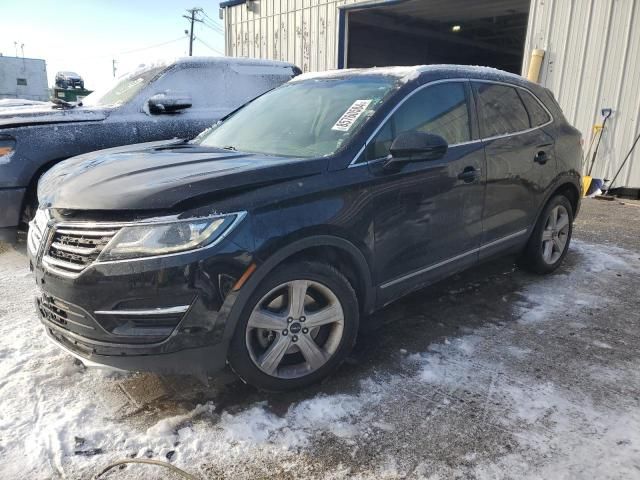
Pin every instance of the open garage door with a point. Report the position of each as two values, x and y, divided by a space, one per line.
415 32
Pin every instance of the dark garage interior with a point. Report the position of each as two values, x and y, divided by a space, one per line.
414 32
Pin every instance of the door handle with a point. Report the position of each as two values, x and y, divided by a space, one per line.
541 157
469 174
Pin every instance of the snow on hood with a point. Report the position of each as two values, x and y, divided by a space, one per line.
45 113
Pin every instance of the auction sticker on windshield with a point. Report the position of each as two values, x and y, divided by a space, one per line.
346 121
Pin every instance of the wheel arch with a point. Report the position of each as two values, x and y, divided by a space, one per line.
564 186
351 262
31 189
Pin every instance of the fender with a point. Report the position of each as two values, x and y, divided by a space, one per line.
240 300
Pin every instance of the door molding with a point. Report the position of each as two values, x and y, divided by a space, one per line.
442 263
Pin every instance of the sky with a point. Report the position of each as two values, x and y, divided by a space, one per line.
86 36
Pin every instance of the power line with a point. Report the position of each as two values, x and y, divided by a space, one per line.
150 47
209 46
213 20
213 29
141 49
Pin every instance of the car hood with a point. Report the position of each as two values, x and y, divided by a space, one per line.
40 114
161 175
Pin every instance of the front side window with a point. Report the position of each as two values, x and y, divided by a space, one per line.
501 110
304 118
440 109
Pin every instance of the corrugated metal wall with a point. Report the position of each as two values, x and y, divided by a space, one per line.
592 59
593 62
304 32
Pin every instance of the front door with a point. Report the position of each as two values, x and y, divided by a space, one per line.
428 220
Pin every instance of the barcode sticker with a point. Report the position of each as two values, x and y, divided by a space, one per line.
346 121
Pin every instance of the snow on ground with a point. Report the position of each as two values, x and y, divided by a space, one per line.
529 395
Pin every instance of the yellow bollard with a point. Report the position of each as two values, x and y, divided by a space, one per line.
535 65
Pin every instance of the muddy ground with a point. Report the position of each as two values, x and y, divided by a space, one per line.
495 373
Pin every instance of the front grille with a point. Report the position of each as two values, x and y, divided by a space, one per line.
72 248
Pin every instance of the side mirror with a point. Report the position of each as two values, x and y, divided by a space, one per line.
169 102
416 147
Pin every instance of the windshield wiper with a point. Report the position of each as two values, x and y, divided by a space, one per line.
231 148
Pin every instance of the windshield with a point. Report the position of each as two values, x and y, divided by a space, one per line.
310 118
124 89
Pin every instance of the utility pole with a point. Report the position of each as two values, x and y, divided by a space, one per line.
192 18
113 67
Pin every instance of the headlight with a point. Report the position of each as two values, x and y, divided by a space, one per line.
163 238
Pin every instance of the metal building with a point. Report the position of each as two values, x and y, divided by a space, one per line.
23 78
591 49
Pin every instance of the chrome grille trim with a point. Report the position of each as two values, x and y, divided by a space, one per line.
86 233
71 249
58 311
61 263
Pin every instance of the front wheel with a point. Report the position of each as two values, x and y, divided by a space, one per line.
297 327
550 239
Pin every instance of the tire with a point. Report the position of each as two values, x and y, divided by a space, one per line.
281 345
549 242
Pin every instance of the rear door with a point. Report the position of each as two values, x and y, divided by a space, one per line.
428 220
521 163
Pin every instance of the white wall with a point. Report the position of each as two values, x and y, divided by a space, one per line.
304 32
33 70
593 62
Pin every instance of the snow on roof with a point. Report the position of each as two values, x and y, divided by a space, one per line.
407 74
231 61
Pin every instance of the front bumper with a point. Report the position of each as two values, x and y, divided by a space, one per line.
163 314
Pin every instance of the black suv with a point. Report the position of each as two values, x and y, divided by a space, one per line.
267 240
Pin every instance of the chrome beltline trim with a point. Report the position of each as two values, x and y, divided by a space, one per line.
452 259
150 311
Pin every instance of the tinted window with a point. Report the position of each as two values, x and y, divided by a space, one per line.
501 110
537 114
441 109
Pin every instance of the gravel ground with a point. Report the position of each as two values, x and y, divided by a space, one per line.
494 373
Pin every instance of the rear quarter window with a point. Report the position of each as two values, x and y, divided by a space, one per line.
537 113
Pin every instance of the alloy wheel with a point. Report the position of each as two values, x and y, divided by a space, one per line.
555 234
295 329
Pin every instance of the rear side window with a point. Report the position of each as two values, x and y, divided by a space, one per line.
537 114
440 109
501 110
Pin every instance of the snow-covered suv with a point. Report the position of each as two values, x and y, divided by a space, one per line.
159 102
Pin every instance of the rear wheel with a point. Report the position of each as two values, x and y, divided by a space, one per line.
296 329
550 239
